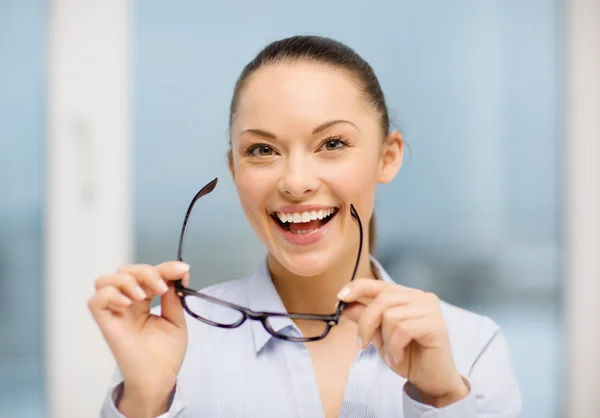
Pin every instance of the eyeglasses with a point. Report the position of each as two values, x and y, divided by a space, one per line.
222 314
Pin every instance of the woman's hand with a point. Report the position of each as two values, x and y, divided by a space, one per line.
149 349
407 328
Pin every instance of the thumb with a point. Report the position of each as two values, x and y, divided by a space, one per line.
353 311
171 308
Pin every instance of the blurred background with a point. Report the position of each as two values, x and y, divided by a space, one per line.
113 114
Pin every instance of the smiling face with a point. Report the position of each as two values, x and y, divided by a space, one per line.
306 145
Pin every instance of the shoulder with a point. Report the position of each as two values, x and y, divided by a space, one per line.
482 355
470 333
467 322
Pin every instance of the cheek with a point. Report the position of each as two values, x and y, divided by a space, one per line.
253 186
251 193
356 182
355 177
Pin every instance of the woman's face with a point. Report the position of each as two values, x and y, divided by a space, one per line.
306 145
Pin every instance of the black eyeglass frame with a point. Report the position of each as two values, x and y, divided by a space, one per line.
182 291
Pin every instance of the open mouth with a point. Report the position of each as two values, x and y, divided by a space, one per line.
305 222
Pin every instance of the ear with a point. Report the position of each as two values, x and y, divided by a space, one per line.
391 157
230 163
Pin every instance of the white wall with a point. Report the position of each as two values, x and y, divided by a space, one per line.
582 208
88 227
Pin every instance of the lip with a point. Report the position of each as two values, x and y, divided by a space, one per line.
305 239
300 208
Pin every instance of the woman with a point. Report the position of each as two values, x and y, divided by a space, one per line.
310 140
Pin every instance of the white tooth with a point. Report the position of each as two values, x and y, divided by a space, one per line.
313 215
297 218
289 217
320 214
281 217
305 217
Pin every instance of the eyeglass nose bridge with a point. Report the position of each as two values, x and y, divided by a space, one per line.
257 316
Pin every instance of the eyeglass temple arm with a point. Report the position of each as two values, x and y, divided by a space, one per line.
203 192
354 214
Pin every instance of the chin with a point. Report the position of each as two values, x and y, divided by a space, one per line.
306 263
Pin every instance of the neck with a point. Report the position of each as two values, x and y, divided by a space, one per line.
316 294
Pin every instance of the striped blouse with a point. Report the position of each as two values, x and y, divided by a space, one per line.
246 372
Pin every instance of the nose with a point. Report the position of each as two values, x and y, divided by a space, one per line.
298 179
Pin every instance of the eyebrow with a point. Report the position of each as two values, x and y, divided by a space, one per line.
318 129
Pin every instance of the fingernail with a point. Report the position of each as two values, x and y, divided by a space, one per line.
140 293
344 293
182 267
163 286
359 343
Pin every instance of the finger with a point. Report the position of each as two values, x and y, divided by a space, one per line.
125 283
367 289
375 313
395 317
397 340
399 313
174 270
397 347
148 276
106 298
171 307
185 280
353 311
377 340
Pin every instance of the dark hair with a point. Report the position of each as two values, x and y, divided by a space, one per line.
327 52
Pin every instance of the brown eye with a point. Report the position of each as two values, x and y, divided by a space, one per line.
261 150
333 144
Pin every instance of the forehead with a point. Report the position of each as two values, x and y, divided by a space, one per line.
299 95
